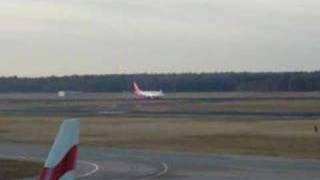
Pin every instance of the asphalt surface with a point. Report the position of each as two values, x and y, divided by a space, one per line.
102 164
110 105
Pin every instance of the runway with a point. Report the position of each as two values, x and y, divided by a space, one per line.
104 163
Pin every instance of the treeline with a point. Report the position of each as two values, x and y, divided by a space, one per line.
187 82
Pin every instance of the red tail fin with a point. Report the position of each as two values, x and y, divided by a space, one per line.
65 168
136 88
61 161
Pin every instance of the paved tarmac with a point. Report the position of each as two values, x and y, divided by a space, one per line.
103 164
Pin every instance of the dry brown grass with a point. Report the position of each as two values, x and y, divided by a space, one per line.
17 169
24 118
294 138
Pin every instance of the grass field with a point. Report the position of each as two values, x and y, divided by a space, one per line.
17 169
222 135
35 119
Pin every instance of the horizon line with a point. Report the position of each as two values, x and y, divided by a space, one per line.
157 73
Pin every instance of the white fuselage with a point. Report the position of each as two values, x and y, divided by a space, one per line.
146 94
149 94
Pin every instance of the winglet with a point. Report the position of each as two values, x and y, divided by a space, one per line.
61 161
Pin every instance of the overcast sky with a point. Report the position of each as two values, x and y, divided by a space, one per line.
45 37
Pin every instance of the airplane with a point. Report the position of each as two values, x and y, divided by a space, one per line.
61 161
146 94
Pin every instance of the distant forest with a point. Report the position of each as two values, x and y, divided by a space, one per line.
187 82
